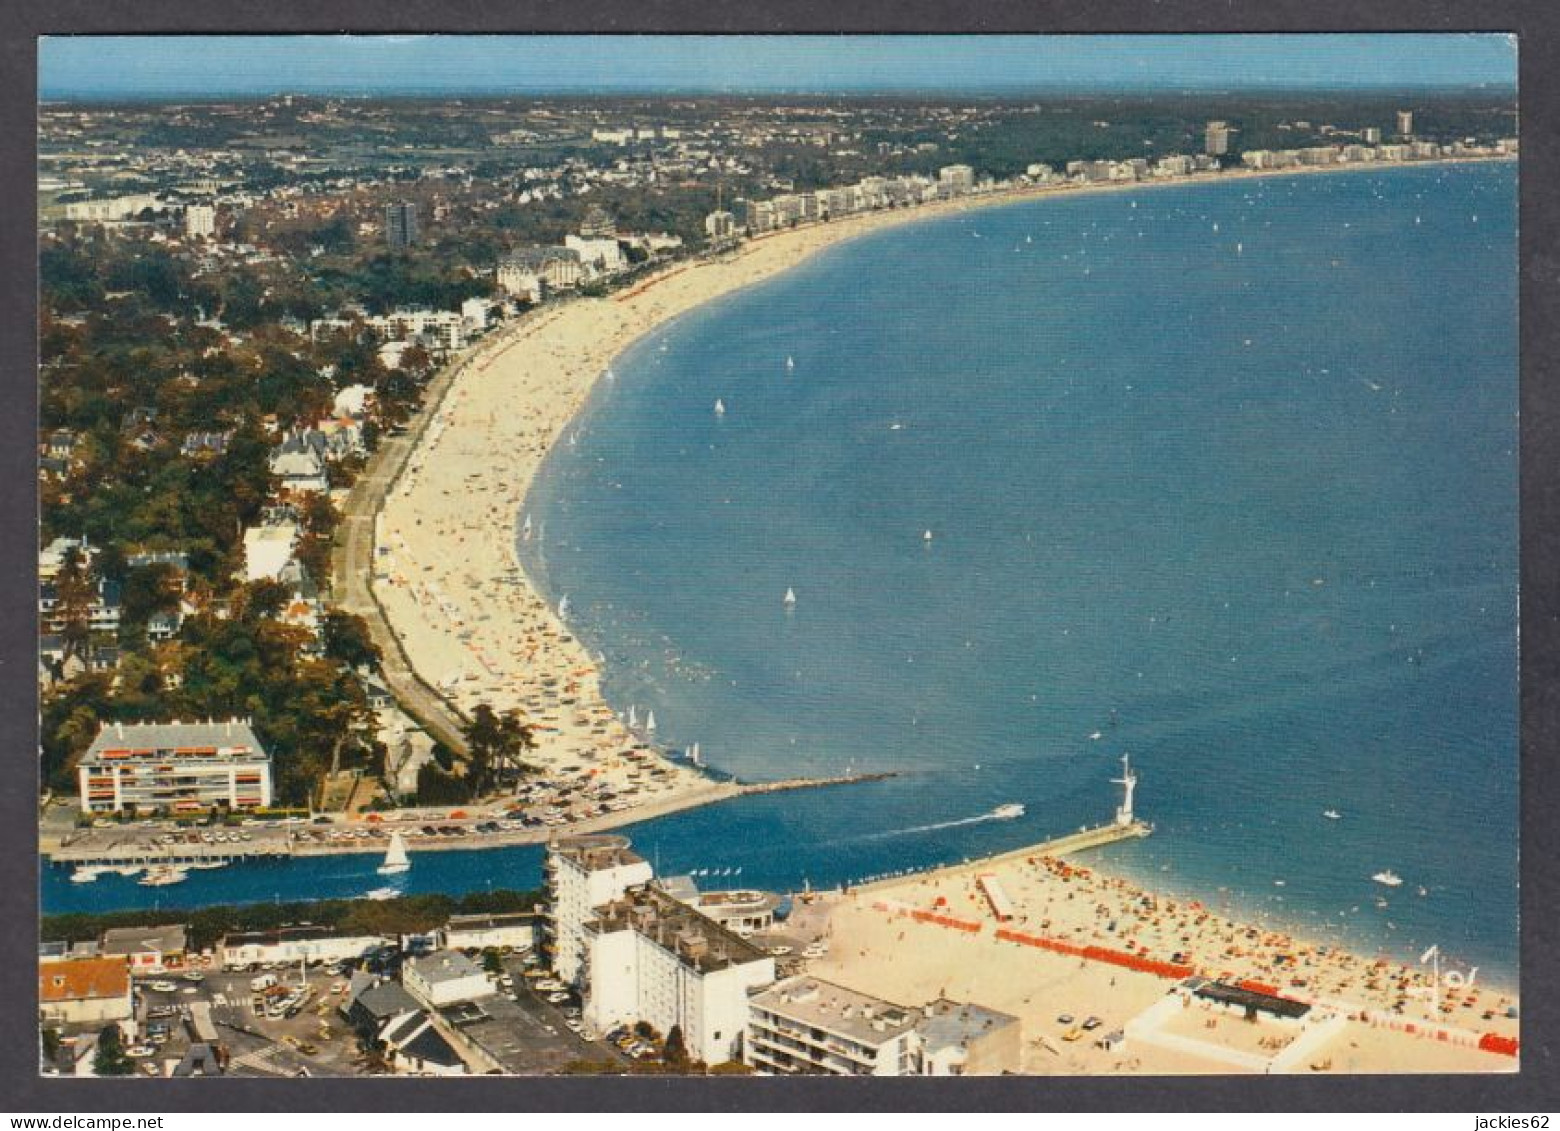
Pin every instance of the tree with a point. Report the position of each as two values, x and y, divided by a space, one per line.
73 591
110 1059
348 641
496 743
676 1053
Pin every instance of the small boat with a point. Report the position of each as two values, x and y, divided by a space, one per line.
1332 814
633 717
84 876
720 407
790 363
649 722
525 529
162 877
926 536
381 894
396 859
1388 877
563 608
790 598
1007 812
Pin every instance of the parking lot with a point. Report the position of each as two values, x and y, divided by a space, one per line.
313 1041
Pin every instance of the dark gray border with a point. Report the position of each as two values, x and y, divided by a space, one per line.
1536 1088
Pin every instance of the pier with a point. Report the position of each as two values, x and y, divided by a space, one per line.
813 783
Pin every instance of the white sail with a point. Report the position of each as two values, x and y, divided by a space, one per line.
633 717
790 362
563 608
396 859
790 597
650 722
720 407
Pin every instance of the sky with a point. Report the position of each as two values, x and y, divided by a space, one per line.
194 66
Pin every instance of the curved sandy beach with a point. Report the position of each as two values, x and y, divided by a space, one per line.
446 574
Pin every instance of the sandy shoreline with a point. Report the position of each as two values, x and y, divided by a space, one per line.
446 573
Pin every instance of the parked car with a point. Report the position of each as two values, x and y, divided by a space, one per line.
1092 1023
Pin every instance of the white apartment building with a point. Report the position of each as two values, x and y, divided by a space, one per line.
597 256
584 873
200 221
445 977
651 958
174 766
805 1025
293 944
516 929
268 549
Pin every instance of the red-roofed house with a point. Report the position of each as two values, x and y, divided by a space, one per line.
84 991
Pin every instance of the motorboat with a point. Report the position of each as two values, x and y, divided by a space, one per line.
1388 877
1332 814
1007 812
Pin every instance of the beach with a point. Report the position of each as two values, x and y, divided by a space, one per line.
1079 943
446 573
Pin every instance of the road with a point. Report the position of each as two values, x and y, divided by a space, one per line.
352 567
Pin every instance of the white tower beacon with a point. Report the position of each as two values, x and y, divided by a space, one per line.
1128 782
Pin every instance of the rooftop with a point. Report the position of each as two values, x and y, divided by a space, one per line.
117 742
698 941
167 939
597 853
849 1013
952 1024
488 922
81 979
444 966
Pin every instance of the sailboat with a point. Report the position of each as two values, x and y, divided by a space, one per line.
633 718
790 363
396 860
790 598
926 536
525 529
720 407
563 608
650 722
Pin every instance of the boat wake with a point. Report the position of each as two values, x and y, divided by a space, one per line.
1000 813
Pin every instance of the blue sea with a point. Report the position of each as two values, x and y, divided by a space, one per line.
1221 476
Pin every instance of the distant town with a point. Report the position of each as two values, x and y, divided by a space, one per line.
250 315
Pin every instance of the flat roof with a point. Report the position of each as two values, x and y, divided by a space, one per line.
825 1005
954 1024
444 966
497 919
169 938
597 853
698 941
1252 999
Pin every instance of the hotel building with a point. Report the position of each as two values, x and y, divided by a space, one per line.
175 766
400 224
650 958
805 1025
808 1026
584 873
